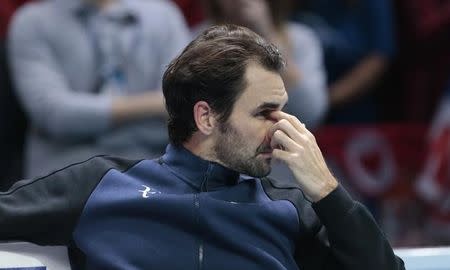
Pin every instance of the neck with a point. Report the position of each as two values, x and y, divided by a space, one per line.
201 146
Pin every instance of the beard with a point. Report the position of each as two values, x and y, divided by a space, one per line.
235 152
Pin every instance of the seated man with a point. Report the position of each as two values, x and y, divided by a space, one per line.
206 203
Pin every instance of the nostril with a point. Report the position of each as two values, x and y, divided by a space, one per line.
268 138
272 120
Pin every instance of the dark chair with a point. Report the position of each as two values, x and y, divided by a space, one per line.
12 127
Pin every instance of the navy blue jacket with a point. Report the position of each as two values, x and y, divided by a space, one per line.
182 212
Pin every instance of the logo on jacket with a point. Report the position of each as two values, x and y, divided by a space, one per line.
148 191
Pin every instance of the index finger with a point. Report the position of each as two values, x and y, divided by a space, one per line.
279 115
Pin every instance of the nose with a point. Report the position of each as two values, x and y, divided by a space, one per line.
267 128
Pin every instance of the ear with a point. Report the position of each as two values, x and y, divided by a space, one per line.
204 117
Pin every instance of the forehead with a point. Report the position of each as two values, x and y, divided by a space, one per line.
263 86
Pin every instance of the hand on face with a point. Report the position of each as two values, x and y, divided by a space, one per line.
295 145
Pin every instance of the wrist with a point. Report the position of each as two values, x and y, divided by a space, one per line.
328 187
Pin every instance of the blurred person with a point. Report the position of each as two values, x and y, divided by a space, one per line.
88 75
304 76
433 183
192 10
7 9
206 203
358 41
423 62
12 117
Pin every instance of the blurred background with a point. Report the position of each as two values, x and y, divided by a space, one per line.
370 78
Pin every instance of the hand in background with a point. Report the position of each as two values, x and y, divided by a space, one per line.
135 107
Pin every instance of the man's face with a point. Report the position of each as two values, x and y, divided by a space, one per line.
242 142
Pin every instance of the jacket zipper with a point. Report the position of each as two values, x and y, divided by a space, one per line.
200 247
200 255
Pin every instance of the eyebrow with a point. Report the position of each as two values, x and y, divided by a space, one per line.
267 106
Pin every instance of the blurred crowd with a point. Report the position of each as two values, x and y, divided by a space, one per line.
80 78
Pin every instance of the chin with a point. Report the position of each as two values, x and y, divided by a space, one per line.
262 172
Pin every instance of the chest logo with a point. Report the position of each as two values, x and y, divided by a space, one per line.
148 191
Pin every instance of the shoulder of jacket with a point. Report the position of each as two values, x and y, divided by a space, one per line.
91 170
100 164
309 223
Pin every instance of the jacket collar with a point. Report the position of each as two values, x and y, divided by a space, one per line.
202 174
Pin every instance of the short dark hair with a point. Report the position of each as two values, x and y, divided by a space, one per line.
211 68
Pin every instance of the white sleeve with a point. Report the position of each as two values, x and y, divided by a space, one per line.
52 106
175 36
308 100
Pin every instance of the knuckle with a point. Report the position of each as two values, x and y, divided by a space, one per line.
307 137
276 126
283 122
277 133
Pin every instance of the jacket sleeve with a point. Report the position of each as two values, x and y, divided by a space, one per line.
349 238
308 98
45 210
52 105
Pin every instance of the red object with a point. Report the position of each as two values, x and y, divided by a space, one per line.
402 173
7 9
192 10
378 161
423 62
433 185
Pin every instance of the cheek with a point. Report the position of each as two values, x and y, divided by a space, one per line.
258 132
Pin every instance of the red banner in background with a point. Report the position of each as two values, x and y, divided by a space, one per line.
403 172
376 161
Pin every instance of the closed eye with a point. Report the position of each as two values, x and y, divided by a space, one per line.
264 113
265 109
